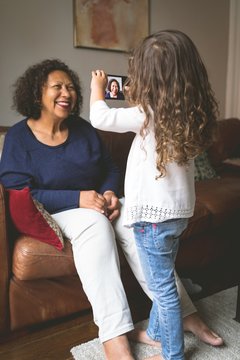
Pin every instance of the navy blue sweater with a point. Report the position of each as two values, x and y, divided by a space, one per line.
57 174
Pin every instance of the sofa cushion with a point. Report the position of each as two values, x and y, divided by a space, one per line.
221 197
234 162
199 223
200 251
118 146
38 301
37 260
30 218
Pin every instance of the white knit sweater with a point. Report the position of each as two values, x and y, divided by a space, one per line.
147 198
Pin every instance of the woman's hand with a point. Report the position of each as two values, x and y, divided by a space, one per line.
90 199
98 85
113 205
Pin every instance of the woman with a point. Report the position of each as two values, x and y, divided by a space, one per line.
60 157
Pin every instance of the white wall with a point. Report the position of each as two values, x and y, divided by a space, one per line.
32 30
232 106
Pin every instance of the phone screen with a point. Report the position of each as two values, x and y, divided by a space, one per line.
114 89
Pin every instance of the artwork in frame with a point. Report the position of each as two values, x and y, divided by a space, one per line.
110 24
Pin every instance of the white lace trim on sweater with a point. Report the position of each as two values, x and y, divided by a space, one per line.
155 214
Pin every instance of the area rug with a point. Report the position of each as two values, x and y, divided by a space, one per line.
217 310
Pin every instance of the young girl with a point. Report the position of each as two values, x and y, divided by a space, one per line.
174 116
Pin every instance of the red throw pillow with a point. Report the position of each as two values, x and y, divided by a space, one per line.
31 219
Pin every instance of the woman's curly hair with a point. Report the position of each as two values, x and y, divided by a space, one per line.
166 74
28 88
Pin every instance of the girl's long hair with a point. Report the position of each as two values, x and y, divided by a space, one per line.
166 74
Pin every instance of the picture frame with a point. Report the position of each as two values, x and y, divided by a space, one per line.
116 25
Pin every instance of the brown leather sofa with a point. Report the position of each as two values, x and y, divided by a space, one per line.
39 284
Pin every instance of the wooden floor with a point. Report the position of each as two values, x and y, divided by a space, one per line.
55 342
52 343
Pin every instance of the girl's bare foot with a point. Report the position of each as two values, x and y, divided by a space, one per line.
196 325
117 348
140 335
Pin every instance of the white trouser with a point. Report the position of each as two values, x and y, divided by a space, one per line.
126 240
97 263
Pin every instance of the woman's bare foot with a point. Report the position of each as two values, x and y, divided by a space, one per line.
196 325
140 335
118 348
155 357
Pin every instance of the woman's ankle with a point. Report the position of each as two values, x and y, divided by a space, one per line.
140 335
118 348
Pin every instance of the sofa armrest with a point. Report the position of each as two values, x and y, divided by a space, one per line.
5 263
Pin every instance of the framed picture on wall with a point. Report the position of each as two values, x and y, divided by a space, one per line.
110 24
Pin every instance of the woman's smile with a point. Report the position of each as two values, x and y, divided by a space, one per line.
64 104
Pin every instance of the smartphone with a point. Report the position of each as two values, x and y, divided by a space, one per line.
114 89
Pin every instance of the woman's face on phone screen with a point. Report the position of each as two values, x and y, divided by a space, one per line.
114 88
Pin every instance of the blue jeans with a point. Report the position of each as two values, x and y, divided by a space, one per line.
157 245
